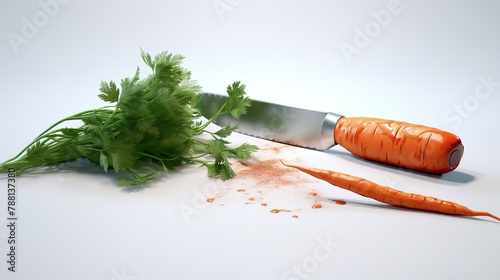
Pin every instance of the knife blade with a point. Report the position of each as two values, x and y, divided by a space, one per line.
397 143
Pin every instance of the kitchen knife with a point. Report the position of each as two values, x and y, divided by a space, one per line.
392 142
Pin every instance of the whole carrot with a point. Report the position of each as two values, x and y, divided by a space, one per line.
389 195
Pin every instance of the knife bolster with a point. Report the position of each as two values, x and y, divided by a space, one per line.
328 129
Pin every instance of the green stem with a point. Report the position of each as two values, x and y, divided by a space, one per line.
201 129
157 158
42 135
202 162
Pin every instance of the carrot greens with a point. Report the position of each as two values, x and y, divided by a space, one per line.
152 124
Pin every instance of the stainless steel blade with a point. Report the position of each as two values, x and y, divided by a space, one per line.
295 126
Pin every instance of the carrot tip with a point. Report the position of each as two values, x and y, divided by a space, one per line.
286 164
494 217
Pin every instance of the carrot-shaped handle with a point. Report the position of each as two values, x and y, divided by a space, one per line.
398 143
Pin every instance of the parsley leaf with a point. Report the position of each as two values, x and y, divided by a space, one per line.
110 92
237 102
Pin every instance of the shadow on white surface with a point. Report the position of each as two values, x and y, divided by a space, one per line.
454 177
83 166
391 208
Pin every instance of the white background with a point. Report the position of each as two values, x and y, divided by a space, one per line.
424 64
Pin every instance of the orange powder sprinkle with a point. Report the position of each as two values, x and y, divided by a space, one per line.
268 172
316 206
279 210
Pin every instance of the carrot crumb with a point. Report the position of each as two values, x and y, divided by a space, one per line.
263 204
278 210
295 216
340 202
316 206
210 200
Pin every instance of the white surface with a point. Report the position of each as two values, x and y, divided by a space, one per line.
428 59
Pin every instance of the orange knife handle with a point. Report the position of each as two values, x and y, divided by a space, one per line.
401 144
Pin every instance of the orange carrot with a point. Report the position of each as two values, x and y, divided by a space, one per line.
398 143
389 195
